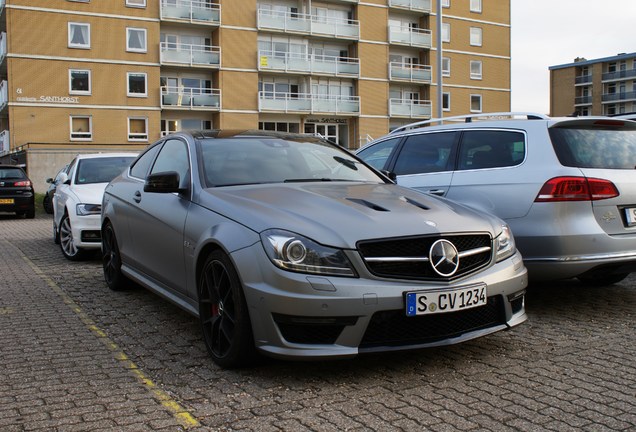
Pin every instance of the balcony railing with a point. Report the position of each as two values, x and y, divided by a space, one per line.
4 94
190 55
583 100
410 36
192 11
308 103
583 79
4 141
204 99
308 64
399 71
619 97
292 22
413 5
618 75
409 108
3 46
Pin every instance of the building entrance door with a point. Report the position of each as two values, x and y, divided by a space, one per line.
332 132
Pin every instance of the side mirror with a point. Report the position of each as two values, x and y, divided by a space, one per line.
49 180
390 174
164 182
63 179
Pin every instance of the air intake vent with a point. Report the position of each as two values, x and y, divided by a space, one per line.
367 204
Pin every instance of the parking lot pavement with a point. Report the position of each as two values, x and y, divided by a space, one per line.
76 356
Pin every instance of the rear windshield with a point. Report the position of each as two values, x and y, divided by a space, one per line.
595 148
12 173
101 170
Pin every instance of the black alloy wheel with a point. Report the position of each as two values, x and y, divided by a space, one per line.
223 313
111 260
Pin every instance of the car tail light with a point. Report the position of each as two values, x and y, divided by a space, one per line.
24 183
576 189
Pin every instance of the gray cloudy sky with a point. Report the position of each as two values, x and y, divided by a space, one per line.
552 32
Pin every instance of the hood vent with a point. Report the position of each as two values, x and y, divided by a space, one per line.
416 204
367 204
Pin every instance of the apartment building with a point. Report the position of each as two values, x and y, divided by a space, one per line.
91 75
604 86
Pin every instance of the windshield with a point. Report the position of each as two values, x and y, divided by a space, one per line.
12 173
101 170
236 161
595 147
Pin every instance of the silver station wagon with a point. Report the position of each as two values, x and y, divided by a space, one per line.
291 246
566 186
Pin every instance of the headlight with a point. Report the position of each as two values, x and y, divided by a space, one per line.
505 244
293 252
88 209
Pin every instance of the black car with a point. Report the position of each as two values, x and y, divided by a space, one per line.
16 192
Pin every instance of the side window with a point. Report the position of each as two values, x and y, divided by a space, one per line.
426 153
142 165
377 155
173 157
491 149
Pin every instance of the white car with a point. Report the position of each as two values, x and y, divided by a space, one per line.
77 202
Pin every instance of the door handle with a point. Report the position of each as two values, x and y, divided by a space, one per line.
439 192
137 197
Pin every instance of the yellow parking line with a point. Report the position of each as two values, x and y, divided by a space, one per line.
178 411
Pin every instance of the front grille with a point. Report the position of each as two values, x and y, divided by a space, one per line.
394 328
417 248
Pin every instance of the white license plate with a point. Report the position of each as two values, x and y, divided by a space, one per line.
630 213
432 302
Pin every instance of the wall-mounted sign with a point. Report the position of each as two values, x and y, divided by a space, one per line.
49 99
326 120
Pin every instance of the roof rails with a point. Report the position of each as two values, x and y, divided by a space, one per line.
470 117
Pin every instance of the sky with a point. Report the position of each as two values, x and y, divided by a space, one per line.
553 32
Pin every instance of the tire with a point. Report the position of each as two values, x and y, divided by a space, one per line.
601 278
65 233
111 260
225 321
47 204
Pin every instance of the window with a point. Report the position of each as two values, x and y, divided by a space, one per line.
142 165
137 129
426 153
475 6
446 3
475 36
79 35
173 157
79 81
137 84
475 103
475 69
491 149
446 32
136 39
136 3
446 66
378 154
446 106
81 128
279 126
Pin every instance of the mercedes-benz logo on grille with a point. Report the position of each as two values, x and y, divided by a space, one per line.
444 258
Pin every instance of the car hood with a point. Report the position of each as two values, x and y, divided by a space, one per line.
341 214
89 193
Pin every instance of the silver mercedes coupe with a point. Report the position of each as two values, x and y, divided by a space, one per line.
290 246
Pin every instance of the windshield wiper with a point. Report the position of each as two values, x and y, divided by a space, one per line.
303 180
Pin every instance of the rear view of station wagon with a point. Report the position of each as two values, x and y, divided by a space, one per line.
566 187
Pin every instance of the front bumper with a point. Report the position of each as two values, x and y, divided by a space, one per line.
87 231
296 315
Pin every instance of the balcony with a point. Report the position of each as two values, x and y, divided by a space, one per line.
414 37
410 108
410 72
619 75
3 46
619 97
205 56
583 79
4 94
412 5
279 61
308 103
583 100
292 22
191 11
4 141
201 99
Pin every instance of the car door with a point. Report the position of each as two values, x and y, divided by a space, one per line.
425 162
490 174
62 191
157 220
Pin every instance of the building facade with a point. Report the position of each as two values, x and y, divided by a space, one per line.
604 86
90 75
